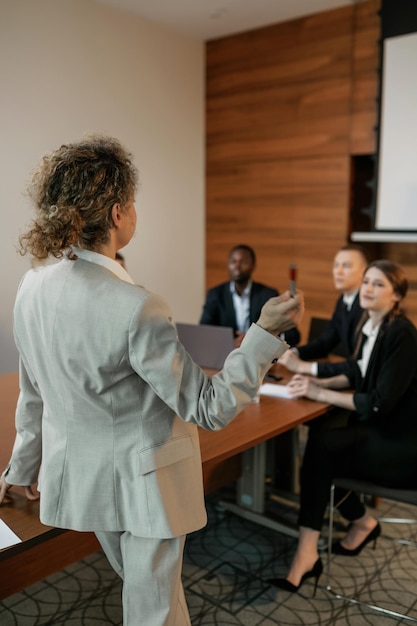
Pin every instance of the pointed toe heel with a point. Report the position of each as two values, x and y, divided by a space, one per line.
285 585
337 548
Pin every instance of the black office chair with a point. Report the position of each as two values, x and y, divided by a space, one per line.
407 496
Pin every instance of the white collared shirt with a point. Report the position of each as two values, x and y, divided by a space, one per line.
371 334
349 299
104 261
241 305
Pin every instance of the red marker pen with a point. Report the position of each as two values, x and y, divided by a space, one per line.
293 279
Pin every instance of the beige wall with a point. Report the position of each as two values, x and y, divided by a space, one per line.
72 67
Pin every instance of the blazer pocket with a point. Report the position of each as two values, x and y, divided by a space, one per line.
168 453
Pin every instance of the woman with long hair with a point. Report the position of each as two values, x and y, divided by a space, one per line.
378 440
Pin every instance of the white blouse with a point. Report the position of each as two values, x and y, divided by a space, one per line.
371 333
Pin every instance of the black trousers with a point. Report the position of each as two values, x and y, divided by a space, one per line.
339 446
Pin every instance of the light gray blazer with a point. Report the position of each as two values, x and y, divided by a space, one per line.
110 402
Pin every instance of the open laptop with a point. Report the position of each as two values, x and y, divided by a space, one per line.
207 345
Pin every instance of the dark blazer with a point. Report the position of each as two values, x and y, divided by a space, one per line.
387 396
341 329
379 441
218 309
385 421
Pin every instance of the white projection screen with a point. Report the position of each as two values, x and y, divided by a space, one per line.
396 199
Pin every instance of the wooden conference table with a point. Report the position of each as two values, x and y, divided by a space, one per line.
44 550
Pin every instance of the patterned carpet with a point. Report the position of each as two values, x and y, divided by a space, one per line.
224 574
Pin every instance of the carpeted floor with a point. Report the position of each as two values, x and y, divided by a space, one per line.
225 569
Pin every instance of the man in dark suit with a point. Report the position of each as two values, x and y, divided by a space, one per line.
348 268
238 302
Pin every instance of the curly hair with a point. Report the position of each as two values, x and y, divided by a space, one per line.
74 190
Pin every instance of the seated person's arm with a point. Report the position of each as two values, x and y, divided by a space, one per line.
320 347
324 369
323 390
293 363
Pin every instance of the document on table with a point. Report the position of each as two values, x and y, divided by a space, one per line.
7 536
276 390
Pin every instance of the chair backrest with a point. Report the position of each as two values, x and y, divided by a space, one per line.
317 326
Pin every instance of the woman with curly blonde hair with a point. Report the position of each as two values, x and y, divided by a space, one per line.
74 190
110 400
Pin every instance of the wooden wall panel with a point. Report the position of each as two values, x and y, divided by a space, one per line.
287 106
364 80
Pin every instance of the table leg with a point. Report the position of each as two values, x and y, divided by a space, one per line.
251 492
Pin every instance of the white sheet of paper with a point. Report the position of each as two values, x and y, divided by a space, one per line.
276 390
7 536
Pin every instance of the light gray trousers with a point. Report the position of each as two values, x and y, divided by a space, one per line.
153 594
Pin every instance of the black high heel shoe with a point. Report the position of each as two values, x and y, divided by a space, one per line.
337 548
283 583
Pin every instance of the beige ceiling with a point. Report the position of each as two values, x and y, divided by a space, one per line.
210 19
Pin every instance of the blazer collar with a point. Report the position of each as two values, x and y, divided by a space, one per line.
104 261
